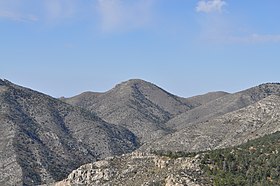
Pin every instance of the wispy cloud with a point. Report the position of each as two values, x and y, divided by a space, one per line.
11 10
123 15
255 38
16 16
55 10
208 6
220 29
226 36
34 10
110 15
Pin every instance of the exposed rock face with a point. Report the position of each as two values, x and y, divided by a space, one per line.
139 106
42 139
230 129
138 169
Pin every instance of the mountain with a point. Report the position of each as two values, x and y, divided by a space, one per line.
223 105
140 106
43 139
230 129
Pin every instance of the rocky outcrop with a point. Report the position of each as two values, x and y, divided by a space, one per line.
139 169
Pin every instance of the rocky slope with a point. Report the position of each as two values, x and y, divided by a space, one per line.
42 139
139 106
230 129
223 105
253 163
138 169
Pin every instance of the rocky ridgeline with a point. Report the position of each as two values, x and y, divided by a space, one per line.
140 106
138 169
223 105
43 139
230 129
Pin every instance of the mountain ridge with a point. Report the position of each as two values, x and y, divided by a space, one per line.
39 134
233 128
42 139
141 106
224 104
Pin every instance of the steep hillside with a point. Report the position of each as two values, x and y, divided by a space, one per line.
42 139
223 105
140 106
253 163
138 169
229 129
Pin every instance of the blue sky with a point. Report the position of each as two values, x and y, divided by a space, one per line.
188 47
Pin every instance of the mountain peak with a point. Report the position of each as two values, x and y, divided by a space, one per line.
133 86
136 81
133 82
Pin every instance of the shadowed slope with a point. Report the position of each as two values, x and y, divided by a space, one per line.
43 139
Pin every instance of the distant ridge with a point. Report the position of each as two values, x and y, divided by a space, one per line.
214 124
141 106
225 104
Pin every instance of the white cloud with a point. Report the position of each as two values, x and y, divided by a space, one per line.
123 15
210 6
